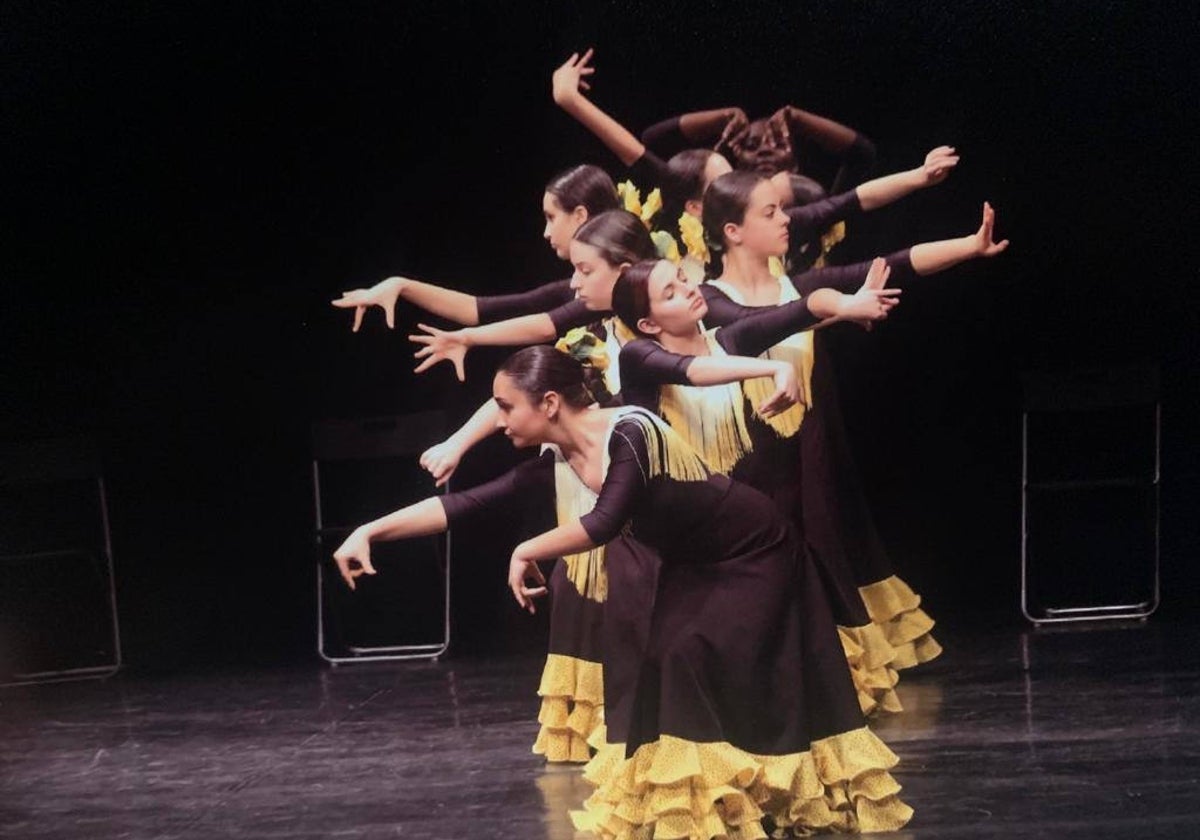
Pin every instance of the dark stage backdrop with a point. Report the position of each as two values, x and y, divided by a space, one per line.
189 184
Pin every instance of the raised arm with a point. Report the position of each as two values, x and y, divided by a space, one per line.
567 86
696 129
856 152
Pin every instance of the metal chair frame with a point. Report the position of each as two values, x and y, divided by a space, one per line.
385 446
94 671
1129 610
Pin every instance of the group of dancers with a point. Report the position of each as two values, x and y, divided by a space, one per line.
724 619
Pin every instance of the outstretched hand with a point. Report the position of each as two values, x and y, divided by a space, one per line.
520 571
353 557
441 345
938 164
569 79
985 243
872 302
383 294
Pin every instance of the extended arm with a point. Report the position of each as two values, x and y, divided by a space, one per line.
447 303
932 257
459 307
452 345
353 557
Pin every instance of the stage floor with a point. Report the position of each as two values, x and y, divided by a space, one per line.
1080 733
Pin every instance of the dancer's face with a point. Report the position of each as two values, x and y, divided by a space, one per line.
561 224
764 229
521 421
594 276
676 306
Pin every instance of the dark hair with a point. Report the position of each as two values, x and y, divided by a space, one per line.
540 368
631 294
725 201
805 190
684 183
619 236
585 185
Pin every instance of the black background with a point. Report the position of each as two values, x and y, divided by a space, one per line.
189 184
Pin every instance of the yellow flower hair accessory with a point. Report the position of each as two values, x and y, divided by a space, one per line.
653 204
692 233
666 246
631 197
631 200
584 347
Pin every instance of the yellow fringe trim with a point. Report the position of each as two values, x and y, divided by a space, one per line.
667 450
871 658
797 350
894 606
572 712
672 789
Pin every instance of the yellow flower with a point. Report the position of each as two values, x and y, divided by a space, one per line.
653 204
666 246
833 236
692 233
631 198
581 345
775 266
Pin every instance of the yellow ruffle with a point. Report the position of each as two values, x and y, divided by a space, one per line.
572 712
893 605
871 659
672 789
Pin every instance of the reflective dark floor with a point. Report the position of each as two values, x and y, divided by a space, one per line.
1080 733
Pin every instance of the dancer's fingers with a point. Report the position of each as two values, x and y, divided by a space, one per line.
359 312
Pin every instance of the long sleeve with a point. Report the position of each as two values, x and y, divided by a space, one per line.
504 496
542 299
646 365
849 278
650 171
810 220
857 162
624 486
764 327
666 137
571 315
722 310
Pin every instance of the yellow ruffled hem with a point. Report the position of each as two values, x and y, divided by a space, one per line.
870 657
894 606
572 712
673 789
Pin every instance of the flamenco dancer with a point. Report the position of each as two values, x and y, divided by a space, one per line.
727 425
746 231
571 684
572 710
742 715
